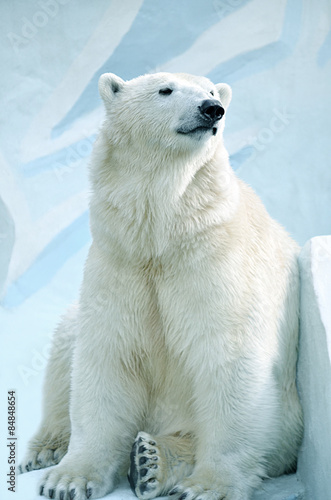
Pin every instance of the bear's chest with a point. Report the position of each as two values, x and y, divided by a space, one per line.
142 229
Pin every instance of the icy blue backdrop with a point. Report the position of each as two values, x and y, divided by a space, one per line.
275 54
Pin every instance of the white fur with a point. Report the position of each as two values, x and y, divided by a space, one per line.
188 314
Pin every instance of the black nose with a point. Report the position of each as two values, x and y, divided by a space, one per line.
212 109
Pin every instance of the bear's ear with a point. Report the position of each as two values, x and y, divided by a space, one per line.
109 84
225 93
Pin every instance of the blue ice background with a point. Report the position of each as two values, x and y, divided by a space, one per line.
288 75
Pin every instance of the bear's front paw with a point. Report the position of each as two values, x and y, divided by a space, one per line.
196 492
74 482
207 486
40 458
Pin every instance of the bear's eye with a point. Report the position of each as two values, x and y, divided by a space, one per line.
165 91
212 92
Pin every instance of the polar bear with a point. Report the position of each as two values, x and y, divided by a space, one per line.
179 362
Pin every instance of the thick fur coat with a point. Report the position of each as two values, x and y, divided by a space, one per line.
187 323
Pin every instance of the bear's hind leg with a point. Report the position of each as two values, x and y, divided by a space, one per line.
50 443
158 463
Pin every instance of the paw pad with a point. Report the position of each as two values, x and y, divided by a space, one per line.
143 473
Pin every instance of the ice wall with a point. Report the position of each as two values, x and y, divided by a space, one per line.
276 56
314 367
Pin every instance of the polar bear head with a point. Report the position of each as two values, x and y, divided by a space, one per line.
164 110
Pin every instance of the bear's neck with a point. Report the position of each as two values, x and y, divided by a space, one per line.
142 203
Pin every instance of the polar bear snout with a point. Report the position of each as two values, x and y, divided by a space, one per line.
204 119
211 110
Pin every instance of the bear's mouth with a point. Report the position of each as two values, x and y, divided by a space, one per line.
198 130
